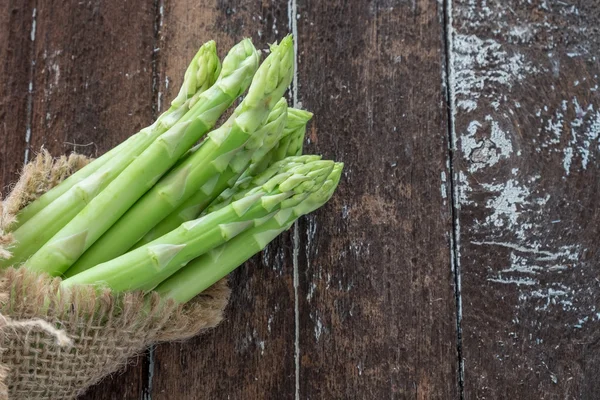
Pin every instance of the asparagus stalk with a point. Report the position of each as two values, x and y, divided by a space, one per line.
265 137
64 248
147 266
289 145
204 271
222 157
201 74
261 159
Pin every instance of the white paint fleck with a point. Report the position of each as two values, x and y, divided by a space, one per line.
443 188
463 189
568 159
345 211
33 25
311 291
319 329
506 204
515 281
56 70
159 100
484 69
485 147
574 131
270 322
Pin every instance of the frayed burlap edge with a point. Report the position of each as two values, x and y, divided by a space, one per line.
37 177
56 344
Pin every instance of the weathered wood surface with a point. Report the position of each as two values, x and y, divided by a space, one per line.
527 123
376 298
358 300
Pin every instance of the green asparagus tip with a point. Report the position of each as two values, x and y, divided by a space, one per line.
269 134
209 66
280 108
272 78
200 74
299 182
283 166
241 59
323 194
297 119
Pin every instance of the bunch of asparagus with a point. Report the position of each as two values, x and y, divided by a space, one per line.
160 212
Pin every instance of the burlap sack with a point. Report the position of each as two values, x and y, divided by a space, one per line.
55 344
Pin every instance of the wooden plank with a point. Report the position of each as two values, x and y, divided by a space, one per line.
376 299
93 75
527 121
250 356
15 68
91 88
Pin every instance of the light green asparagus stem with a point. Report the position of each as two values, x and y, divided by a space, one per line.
204 271
221 158
266 136
42 219
60 252
289 145
147 266
201 74
191 208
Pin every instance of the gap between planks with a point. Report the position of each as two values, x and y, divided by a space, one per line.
150 358
293 27
449 80
29 115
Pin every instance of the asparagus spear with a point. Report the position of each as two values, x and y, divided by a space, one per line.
147 266
64 248
199 76
289 145
265 137
191 208
222 157
204 271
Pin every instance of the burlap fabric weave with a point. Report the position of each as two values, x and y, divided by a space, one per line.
55 344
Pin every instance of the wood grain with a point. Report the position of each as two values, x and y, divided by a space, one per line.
251 354
15 69
377 307
527 122
89 64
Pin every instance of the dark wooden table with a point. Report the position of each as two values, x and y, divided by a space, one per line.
459 257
